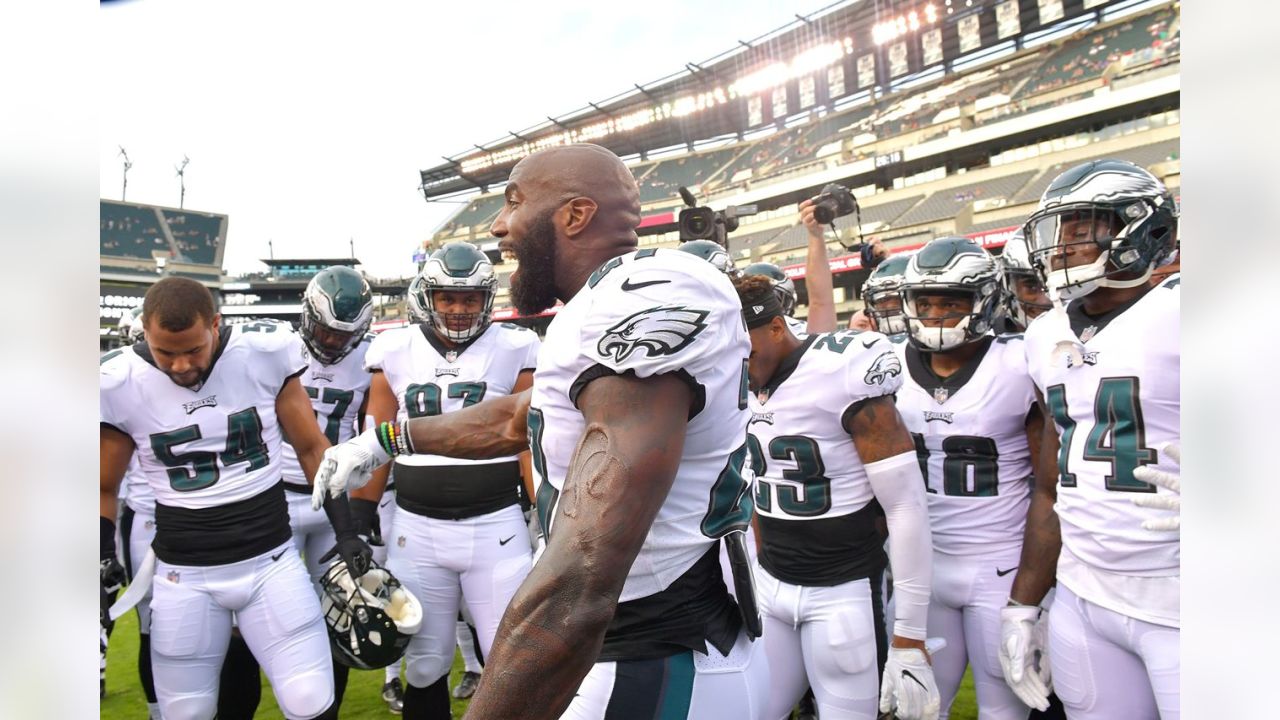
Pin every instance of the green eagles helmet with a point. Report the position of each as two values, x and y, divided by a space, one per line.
1127 215
884 283
455 267
783 286
712 252
1015 266
951 266
337 310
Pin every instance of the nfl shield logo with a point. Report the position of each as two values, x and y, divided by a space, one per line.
400 541
940 394
763 396
1088 333
451 356
173 576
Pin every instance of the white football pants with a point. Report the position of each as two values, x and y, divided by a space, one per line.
312 533
824 638
483 559
278 614
141 532
1108 665
968 593
686 685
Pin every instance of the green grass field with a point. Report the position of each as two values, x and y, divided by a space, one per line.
125 701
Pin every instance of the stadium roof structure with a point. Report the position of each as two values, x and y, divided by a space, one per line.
811 63
280 262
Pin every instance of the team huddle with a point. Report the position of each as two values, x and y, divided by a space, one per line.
682 502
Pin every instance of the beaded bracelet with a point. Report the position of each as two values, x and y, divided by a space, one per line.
394 438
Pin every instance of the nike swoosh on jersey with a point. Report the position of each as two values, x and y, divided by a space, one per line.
504 542
866 344
628 285
1002 573
278 555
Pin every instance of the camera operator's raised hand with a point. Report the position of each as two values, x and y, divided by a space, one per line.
817 273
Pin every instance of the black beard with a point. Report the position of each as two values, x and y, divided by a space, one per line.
533 287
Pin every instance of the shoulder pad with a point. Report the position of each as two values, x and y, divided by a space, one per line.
113 369
266 335
1009 337
513 326
1173 282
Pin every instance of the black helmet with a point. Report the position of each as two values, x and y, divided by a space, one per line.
783 286
370 620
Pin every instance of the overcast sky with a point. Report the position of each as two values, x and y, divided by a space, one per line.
307 122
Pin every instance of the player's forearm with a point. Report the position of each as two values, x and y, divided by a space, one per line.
107 506
1041 543
489 429
899 487
549 638
818 283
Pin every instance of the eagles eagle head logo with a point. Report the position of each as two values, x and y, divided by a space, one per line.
886 366
658 331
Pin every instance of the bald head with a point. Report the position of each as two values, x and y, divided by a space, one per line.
558 174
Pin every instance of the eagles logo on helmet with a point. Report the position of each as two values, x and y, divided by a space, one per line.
370 620
951 266
337 310
1112 205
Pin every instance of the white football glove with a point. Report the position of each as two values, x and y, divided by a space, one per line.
1040 641
908 688
1020 639
348 465
1169 480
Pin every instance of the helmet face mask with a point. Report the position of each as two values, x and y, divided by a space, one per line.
370 620
950 268
783 286
1025 298
882 287
337 310
455 267
1106 223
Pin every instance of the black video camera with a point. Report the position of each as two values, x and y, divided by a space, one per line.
834 201
702 223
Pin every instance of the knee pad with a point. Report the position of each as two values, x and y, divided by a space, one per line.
189 707
423 671
306 696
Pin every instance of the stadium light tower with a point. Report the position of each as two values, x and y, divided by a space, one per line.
124 188
182 180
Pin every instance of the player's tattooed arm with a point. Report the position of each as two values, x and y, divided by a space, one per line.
618 479
877 429
524 381
491 428
114 452
1042 539
382 406
298 421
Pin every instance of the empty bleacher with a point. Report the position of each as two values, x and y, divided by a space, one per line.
1144 155
662 182
945 204
480 211
888 212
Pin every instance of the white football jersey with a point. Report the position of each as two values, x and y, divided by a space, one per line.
337 392
653 312
1112 388
215 444
806 467
136 491
970 433
429 379
799 328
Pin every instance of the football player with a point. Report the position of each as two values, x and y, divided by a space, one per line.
785 288
970 405
1024 295
637 424
337 310
458 524
883 303
826 445
203 410
712 252
1106 369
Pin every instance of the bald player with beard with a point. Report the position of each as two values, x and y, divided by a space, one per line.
637 426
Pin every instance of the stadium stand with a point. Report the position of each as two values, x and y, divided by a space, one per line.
196 235
1144 155
947 203
130 231
662 181
480 211
887 213
759 157
1088 56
